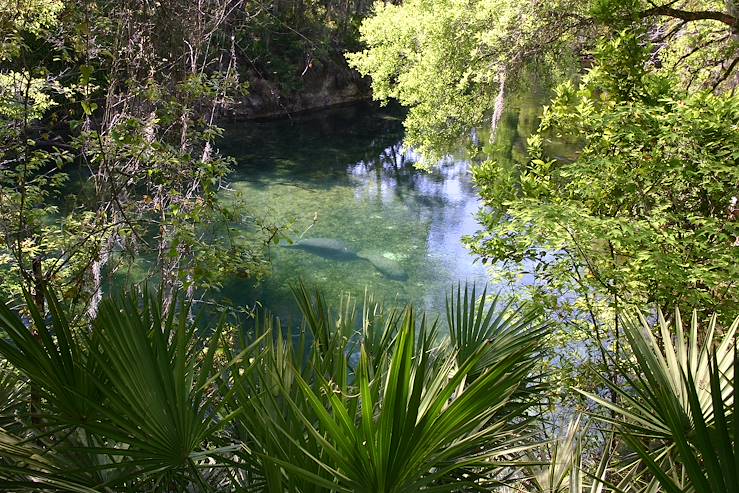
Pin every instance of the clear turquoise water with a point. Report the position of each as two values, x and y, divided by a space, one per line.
343 174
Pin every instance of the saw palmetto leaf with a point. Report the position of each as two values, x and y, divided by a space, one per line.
678 412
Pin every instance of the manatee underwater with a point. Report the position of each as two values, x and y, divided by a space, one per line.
387 266
325 247
333 249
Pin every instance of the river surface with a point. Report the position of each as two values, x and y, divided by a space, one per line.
343 175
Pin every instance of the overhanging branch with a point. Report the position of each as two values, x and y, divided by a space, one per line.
687 15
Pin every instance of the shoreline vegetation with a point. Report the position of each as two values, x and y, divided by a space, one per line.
375 403
612 369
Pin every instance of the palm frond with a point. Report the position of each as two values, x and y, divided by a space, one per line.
26 468
13 394
54 358
677 413
158 404
419 424
479 322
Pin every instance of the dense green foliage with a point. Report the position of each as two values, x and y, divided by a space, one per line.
285 40
643 209
139 401
448 61
137 393
144 400
124 96
625 194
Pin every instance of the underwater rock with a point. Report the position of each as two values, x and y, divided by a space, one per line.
389 267
325 247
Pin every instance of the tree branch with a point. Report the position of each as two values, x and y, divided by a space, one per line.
687 15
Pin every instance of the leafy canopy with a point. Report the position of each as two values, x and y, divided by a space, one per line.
646 208
446 59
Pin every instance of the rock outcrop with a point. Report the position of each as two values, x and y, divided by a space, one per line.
321 87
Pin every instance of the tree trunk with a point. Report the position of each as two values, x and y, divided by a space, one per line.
499 105
39 288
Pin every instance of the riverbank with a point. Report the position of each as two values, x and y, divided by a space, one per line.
323 87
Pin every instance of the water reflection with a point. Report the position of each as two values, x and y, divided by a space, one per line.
344 175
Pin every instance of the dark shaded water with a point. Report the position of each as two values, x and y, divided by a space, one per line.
343 174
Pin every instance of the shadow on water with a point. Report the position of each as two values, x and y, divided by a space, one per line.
312 149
